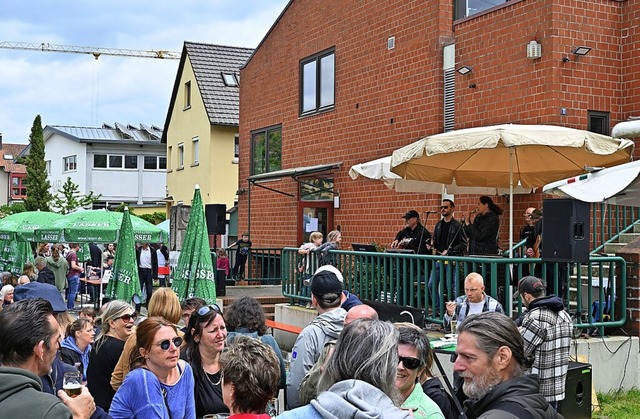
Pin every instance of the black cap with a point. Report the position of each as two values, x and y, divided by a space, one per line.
326 286
411 214
530 285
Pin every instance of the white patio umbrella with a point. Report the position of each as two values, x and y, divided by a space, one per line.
380 169
504 155
617 185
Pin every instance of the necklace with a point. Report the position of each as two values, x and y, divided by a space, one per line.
217 383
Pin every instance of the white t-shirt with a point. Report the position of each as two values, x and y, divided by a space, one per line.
145 258
475 308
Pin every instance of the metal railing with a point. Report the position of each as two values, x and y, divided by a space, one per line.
263 265
403 279
609 221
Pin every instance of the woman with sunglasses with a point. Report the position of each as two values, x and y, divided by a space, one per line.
163 303
206 336
413 353
160 384
117 321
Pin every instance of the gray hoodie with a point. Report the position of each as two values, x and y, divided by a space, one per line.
21 394
349 399
307 349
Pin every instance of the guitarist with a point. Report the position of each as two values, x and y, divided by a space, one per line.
534 242
526 232
414 236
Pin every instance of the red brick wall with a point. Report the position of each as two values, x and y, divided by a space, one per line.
387 99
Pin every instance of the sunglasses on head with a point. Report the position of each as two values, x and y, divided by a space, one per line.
166 344
128 317
204 310
409 362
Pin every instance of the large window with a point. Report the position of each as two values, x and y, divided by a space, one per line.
69 163
114 161
266 150
155 163
18 186
317 83
464 8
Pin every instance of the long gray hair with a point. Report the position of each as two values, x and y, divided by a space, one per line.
366 350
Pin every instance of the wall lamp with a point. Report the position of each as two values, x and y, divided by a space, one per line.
580 51
465 69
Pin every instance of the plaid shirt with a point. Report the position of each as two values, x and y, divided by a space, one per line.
547 335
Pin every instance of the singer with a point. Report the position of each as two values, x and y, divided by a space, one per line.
483 232
414 236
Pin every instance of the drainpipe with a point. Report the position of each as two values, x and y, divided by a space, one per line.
627 129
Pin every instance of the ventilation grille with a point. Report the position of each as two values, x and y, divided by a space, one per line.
449 99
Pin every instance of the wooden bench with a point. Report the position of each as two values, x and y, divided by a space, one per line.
283 326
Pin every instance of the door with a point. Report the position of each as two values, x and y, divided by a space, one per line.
314 216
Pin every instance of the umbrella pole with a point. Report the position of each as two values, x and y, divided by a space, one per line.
508 286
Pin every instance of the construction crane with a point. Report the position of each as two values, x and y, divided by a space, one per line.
95 51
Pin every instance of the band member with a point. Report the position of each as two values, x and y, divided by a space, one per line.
414 236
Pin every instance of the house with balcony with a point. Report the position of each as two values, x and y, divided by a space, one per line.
201 127
122 163
12 186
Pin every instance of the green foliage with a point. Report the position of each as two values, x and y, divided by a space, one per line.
38 185
619 405
155 218
12 209
68 198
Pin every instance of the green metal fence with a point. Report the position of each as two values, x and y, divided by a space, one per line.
403 279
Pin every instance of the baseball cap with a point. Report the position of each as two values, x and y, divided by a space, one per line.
411 214
326 285
529 284
34 290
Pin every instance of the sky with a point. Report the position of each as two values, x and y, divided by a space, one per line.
76 89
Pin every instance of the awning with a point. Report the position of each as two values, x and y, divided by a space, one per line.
294 173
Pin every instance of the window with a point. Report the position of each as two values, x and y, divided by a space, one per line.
69 163
266 148
168 160
317 84
464 8
180 156
187 95
114 161
155 163
18 186
599 122
47 165
195 151
230 79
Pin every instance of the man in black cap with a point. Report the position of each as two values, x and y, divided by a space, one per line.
546 329
326 294
414 236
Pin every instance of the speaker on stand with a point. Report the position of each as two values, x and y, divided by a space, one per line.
216 216
577 395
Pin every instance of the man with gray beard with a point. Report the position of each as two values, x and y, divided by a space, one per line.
493 364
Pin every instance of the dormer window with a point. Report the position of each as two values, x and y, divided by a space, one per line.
230 79
8 156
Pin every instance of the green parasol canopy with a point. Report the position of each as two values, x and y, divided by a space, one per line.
194 276
124 282
98 226
21 226
13 255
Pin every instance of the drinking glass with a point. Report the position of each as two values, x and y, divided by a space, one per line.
72 383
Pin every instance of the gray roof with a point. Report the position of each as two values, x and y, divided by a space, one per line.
209 62
109 133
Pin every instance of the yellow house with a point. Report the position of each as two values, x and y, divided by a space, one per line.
201 128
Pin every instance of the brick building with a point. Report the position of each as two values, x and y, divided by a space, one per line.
340 82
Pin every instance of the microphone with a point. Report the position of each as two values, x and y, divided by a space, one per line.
431 212
473 212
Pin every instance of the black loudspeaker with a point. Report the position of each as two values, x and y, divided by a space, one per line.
577 396
565 231
216 215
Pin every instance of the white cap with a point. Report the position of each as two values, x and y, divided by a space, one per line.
331 269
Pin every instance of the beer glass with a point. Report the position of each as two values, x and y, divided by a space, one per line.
454 326
72 383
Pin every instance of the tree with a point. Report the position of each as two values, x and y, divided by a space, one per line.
38 185
68 198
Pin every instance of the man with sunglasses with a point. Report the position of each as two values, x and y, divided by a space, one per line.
326 297
448 240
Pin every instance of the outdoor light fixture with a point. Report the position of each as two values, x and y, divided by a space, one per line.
465 69
581 50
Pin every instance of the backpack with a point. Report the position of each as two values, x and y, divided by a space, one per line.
309 385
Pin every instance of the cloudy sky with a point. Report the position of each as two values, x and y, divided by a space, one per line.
75 89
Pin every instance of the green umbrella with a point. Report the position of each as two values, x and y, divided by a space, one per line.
98 226
124 283
21 226
194 276
13 255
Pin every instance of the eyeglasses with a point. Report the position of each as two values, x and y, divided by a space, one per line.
204 310
444 207
409 362
166 344
128 317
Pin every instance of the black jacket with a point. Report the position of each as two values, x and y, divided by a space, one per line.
46 276
518 398
419 236
436 392
483 234
456 239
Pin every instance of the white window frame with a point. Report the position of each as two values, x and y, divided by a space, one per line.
70 163
180 156
195 151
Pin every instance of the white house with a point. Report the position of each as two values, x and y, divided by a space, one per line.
122 163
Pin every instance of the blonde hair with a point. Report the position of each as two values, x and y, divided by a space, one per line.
333 234
110 311
315 235
222 253
165 303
